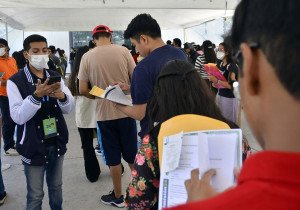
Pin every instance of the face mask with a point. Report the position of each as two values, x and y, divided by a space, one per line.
2 51
39 61
220 55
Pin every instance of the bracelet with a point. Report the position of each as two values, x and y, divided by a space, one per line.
34 93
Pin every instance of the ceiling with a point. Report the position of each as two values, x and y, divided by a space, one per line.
83 15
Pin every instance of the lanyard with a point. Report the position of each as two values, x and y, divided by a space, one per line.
46 100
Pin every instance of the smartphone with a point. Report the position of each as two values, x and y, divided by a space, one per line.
54 79
1 74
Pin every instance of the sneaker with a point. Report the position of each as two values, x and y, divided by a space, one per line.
98 152
11 152
2 198
97 147
123 170
110 199
5 167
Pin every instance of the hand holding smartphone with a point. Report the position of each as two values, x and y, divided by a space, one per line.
54 79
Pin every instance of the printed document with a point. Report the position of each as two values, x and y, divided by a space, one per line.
220 150
112 93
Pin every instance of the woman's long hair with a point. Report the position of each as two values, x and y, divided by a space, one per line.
73 81
209 52
179 89
228 52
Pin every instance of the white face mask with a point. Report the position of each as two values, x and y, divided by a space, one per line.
39 61
2 51
220 55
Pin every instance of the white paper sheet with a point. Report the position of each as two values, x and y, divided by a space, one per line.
219 149
172 183
115 94
222 154
172 145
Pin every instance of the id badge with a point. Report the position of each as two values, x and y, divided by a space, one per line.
50 129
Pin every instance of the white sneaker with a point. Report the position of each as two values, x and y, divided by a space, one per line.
5 167
11 152
98 152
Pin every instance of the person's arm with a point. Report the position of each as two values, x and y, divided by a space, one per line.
224 84
142 191
66 102
199 62
84 89
21 110
136 112
216 82
83 77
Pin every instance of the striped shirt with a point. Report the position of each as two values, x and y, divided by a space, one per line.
199 65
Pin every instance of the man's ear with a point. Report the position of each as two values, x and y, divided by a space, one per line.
143 39
25 53
250 69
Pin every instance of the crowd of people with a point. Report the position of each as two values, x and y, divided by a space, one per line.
164 80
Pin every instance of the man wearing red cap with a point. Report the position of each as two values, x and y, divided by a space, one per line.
103 66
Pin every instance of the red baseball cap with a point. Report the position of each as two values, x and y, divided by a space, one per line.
101 28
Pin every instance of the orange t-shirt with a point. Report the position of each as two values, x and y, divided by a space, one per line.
9 66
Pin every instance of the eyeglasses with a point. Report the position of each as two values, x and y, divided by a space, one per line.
238 55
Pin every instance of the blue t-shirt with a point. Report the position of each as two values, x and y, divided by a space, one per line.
145 74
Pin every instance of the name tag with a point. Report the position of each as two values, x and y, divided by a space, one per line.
50 129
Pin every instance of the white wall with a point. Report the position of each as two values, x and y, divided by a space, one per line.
213 31
193 36
171 34
60 39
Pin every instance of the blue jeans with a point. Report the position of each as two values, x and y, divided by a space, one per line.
2 188
35 181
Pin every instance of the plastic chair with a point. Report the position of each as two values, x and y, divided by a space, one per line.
187 123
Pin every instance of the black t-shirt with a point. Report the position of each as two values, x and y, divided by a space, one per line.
230 67
145 74
193 57
72 56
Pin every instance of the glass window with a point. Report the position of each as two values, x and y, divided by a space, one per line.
82 38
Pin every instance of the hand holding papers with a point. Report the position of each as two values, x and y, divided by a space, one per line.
219 150
112 93
213 70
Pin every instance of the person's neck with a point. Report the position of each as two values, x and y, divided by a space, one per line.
38 73
224 62
281 129
103 41
157 43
